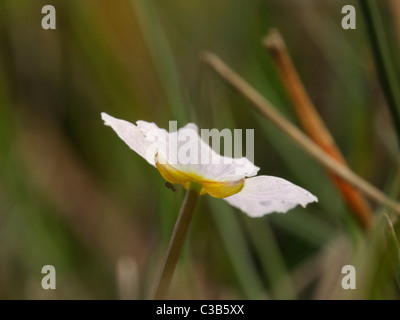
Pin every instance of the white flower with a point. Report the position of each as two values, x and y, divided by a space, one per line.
182 157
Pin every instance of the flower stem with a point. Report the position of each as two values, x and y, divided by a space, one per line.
176 242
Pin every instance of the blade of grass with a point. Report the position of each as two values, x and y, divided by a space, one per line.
383 59
162 57
267 110
315 231
393 245
161 54
272 263
313 124
237 249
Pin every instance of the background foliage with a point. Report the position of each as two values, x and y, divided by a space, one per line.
74 196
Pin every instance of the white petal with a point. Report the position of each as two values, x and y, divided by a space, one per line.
265 194
184 150
206 162
135 136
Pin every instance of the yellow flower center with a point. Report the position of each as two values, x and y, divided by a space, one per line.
217 189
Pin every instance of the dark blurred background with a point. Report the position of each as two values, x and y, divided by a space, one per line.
74 196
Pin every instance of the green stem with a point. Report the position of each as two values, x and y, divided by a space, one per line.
383 59
176 241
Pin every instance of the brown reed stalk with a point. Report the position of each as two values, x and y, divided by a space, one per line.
264 107
313 124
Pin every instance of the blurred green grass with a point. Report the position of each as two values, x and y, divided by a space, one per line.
74 196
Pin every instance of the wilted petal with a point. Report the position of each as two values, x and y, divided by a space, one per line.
265 194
